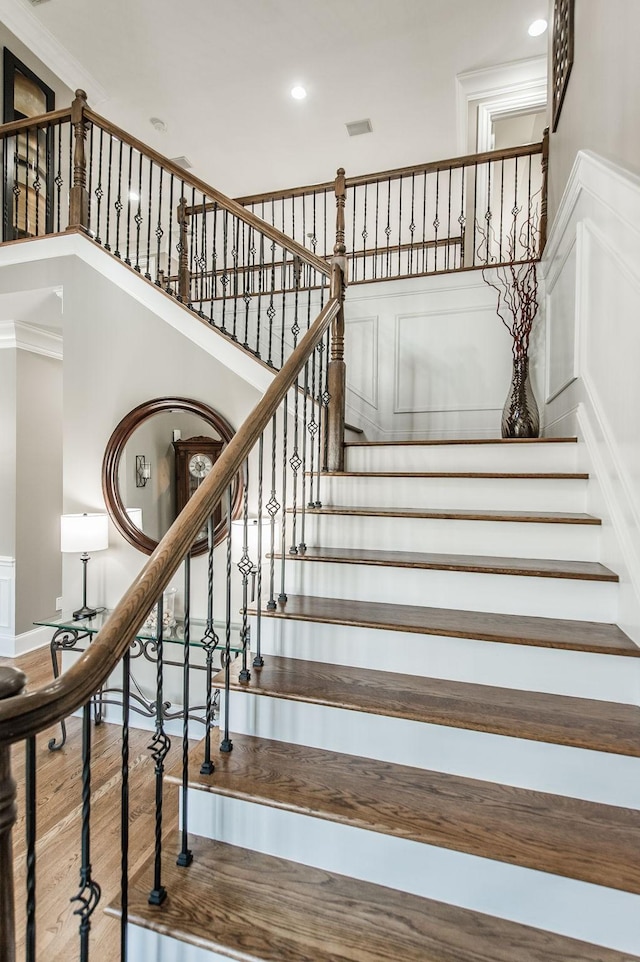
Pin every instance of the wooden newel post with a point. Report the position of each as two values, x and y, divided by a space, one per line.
78 194
543 201
337 375
184 278
12 682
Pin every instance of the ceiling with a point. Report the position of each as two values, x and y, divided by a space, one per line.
219 74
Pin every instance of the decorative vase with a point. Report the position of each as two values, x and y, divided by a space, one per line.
520 418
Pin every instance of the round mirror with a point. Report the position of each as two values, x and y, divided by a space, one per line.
155 460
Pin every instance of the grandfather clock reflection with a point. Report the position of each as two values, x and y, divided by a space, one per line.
194 458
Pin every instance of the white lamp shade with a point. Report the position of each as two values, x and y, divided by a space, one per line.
136 517
237 537
84 532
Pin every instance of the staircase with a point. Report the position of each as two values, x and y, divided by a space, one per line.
440 759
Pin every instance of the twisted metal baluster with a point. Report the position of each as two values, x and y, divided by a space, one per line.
271 311
31 809
124 808
210 642
436 222
214 265
272 507
282 597
159 231
321 412
326 397
302 547
312 428
89 894
258 660
159 748
185 857
107 243
245 568
226 745
37 183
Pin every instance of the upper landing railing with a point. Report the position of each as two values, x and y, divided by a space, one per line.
233 263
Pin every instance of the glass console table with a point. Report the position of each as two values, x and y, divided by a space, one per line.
71 635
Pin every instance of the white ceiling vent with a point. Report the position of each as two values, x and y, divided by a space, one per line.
357 127
182 162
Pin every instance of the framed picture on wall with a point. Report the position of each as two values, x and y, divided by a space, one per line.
27 156
562 53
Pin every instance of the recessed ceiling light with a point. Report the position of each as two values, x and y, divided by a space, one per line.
537 28
298 93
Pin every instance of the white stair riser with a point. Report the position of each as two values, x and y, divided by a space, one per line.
527 668
509 594
511 539
577 909
483 494
554 456
557 769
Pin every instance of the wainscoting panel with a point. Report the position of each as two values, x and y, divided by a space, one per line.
361 356
7 602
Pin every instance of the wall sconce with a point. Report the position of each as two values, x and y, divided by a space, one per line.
80 534
143 471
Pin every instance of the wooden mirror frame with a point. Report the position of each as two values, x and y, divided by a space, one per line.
111 463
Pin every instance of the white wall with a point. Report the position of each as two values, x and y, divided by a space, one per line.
600 110
593 388
8 451
429 358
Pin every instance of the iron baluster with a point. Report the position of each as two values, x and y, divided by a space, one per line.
247 281
226 745
375 259
138 215
202 262
364 231
260 284
90 184
118 204
501 207
312 428
99 192
475 210
214 264
124 808
294 460
448 249
37 183
89 894
31 809
185 857
210 642
354 260
169 236
192 250
272 507
412 224
127 257
271 311
282 597
224 280
245 567
326 398
258 660
147 273
436 223
387 229
159 230
5 192
107 243
302 547
16 189
400 186
462 219
488 213
159 748
424 223
234 255
321 359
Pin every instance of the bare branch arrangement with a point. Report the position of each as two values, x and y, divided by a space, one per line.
516 282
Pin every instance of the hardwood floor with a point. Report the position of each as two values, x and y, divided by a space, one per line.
59 821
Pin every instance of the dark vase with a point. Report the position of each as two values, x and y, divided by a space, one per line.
520 418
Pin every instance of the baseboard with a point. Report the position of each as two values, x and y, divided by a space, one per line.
11 646
612 501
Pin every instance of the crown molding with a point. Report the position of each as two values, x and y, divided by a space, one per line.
26 337
21 21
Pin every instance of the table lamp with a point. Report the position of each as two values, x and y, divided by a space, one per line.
81 533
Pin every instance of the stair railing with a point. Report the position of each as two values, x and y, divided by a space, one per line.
456 214
267 450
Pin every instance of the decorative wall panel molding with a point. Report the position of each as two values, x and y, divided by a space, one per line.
7 595
361 356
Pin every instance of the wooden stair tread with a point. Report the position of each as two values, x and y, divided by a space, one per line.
537 716
456 514
489 475
590 636
444 441
536 568
549 833
273 910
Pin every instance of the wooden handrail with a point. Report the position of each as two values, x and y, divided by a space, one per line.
489 156
29 713
43 120
232 206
